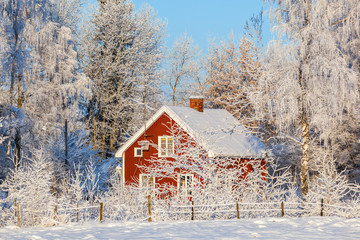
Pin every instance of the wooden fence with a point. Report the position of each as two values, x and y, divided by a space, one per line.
192 210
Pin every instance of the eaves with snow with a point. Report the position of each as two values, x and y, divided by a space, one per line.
216 130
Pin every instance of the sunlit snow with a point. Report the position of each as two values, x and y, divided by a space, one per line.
258 228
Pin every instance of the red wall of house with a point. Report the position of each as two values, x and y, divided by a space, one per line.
161 128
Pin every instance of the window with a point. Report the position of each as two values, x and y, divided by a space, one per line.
185 184
138 152
166 146
147 181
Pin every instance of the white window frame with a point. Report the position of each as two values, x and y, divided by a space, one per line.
149 176
136 153
167 152
188 187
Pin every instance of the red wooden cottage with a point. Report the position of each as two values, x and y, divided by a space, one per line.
218 133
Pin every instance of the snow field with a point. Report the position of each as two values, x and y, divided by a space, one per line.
259 228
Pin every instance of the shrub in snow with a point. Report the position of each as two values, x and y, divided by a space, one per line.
30 187
340 197
124 203
38 187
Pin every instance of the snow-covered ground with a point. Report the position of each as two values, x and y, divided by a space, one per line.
262 228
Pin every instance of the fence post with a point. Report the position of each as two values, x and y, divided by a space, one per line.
101 211
237 210
18 214
55 212
192 210
322 207
282 209
149 208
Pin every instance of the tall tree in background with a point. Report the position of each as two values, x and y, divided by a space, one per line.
123 52
182 67
231 69
347 29
312 87
40 81
15 31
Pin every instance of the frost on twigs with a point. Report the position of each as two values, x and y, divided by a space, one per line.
334 188
214 184
309 85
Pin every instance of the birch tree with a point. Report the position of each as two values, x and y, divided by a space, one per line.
312 87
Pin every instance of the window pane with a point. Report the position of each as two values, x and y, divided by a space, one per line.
151 181
143 180
147 181
138 152
189 179
170 146
163 146
185 184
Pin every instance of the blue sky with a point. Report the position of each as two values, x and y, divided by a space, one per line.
206 19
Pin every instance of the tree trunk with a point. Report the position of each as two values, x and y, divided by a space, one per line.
305 128
66 142
173 96
305 153
17 141
105 135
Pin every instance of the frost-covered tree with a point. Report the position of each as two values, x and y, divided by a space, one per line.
347 31
253 30
232 68
68 13
123 53
16 29
39 64
311 87
182 68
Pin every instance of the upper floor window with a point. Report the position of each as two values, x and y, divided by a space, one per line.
166 146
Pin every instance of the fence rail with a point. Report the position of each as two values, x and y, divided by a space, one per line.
153 212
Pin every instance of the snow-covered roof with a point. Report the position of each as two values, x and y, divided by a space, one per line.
216 130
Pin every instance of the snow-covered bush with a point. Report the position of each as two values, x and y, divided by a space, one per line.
123 202
333 188
30 187
46 197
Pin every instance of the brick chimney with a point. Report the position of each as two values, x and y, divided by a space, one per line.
197 103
